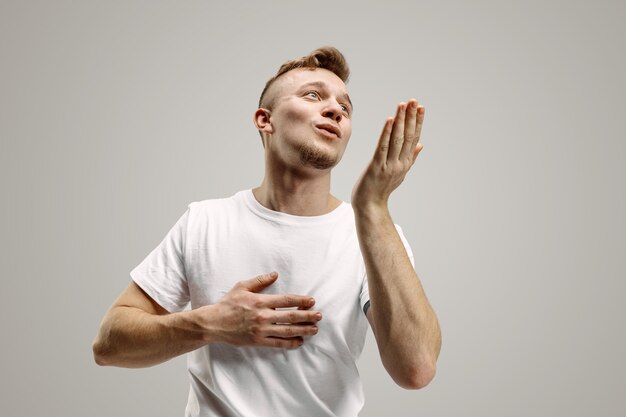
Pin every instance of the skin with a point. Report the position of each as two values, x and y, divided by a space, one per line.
290 185
403 322
299 156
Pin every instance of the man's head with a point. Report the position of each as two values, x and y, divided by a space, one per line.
305 109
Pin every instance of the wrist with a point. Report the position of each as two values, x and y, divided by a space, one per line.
199 324
371 209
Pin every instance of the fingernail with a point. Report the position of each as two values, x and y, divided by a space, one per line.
318 316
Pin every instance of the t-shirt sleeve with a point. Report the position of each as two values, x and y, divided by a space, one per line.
365 294
162 273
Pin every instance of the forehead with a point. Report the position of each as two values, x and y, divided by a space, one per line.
291 81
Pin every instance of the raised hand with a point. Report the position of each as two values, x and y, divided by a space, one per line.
397 150
249 318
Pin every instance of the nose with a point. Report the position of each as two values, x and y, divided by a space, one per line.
333 111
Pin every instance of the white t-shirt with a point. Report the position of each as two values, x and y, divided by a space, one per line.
216 243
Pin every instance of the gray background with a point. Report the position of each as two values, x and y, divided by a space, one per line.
116 114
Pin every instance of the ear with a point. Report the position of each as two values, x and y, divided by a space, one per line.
262 121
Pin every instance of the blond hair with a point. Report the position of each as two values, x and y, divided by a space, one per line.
326 57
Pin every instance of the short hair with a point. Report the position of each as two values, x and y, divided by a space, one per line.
326 57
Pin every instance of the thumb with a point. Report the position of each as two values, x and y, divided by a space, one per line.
260 282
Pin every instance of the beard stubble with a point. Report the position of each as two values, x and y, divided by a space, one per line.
313 156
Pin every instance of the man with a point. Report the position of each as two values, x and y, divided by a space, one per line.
282 278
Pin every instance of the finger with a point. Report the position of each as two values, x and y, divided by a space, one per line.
410 131
285 343
295 316
383 141
288 300
259 282
291 330
397 134
421 110
416 152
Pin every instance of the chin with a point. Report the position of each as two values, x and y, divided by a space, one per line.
318 158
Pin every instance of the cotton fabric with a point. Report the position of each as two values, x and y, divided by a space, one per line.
218 242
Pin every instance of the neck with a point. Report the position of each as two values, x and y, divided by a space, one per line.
297 193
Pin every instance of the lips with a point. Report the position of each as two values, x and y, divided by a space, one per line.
329 128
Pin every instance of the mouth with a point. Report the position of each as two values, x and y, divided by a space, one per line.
330 129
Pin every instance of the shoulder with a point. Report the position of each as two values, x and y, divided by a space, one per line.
217 204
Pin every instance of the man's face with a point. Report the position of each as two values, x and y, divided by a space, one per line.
311 118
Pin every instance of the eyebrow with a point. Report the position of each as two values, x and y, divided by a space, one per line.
322 85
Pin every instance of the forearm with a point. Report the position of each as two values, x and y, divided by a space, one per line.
132 338
407 330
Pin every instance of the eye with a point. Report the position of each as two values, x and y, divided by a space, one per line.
313 94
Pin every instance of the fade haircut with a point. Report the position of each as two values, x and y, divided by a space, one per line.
326 57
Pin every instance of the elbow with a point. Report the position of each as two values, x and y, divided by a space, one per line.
416 377
101 354
104 345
